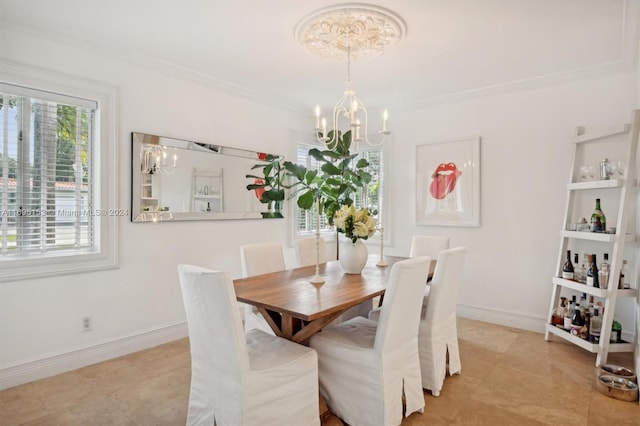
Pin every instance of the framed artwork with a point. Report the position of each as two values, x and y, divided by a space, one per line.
448 183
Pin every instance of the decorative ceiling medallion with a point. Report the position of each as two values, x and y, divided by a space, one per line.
368 30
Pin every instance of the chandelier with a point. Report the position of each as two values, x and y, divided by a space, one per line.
154 160
350 31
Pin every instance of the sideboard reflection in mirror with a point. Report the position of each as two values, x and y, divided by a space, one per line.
175 179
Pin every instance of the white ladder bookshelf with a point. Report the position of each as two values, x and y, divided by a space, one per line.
626 134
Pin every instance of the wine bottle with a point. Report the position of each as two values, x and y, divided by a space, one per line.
592 272
567 268
616 332
598 219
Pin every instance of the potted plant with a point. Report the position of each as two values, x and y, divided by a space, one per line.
333 185
269 185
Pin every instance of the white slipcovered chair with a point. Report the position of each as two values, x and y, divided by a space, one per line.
261 258
438 332
257 379
366 366
428 245
258 259
306 251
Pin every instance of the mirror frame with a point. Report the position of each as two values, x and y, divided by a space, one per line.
139 140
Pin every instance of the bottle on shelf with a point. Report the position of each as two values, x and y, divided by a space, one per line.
592 272
208 207
568 315
616 332
624 276
585 267
605 169
598 219
578 271
595 326
567 268
576 321
559 312
603 273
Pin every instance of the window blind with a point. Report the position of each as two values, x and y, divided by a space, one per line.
46 173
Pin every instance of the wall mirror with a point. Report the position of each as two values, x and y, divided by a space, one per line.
175 180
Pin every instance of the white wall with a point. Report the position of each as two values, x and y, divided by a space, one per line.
525 154
139 303
525 164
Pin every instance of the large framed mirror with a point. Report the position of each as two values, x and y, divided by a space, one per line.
176 180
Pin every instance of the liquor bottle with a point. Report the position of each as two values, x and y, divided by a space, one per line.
576 321
592 272
624 275
559 312
598 219
567 268
578 271
585 267
603 274
568 315
595 326
208 207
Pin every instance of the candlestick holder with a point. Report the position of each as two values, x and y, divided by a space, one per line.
381 262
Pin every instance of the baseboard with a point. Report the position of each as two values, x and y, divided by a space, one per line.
509 319
60 363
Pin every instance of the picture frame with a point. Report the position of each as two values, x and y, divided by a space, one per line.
448 183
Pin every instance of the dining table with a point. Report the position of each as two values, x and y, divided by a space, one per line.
296 309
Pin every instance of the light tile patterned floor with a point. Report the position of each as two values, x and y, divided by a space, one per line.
509 377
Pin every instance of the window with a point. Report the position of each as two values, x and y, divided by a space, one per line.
367 197
55 215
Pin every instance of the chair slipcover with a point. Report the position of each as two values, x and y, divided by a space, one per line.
257 379
306 251
438 332
366 366
428 245
258 259
261 258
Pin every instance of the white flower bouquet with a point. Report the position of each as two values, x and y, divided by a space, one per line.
354 223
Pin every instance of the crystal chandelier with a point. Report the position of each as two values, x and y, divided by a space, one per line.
351 31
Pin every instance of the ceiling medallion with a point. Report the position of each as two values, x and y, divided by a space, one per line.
364 30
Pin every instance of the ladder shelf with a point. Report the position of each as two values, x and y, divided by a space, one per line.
612 243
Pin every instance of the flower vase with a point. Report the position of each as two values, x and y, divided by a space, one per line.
353 256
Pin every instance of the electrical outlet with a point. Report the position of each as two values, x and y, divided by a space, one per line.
86 324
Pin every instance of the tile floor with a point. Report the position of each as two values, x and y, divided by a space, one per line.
509 377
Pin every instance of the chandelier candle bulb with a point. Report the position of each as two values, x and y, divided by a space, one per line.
317 111
385 117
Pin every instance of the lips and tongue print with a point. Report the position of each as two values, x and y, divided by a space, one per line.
444 180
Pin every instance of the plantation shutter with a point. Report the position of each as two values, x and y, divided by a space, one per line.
47 173
367 197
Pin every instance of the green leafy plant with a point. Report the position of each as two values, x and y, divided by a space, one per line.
269 185
337 179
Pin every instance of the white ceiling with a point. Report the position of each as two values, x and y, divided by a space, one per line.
452 47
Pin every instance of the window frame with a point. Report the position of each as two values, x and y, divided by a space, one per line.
105 148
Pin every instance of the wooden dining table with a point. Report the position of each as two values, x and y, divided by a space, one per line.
295 309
